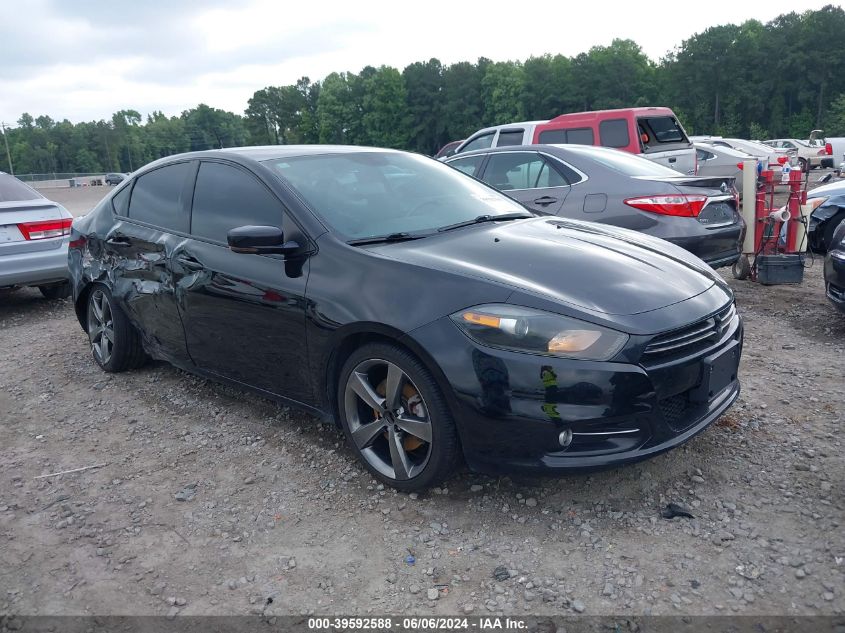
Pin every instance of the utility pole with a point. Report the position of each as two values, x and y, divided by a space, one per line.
8 153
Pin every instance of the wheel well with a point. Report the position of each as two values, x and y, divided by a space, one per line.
81 306
356 340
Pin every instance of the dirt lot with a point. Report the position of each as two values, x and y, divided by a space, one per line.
212 501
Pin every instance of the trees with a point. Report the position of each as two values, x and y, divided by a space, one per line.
782 78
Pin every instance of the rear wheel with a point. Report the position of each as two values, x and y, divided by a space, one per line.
741 268
56 291
115 343
395 417
802 163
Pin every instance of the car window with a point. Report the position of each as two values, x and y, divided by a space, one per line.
120 201
467 165
703 155
521 170
510 137
363 194
226 197
614 133
482 142
575 136
12 189
661 129
157 197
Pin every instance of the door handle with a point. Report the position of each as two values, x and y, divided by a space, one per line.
189 263
120 242
545 200
673 160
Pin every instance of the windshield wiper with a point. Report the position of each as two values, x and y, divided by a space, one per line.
382 239
486 218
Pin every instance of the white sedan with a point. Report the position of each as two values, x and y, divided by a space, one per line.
34 236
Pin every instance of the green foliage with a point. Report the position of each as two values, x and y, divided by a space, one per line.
754 80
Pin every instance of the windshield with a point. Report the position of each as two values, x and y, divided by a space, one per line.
364 194
623 162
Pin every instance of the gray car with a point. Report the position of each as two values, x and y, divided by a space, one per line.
34 237
604 185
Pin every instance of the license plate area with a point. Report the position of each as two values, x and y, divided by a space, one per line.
719 370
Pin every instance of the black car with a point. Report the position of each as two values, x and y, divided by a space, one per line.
834 268
114 178
431 316
828 204
604 185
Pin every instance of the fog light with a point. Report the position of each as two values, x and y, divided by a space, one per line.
565 438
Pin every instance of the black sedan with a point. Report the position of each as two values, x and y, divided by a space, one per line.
828 204
604 185
834 268
431 316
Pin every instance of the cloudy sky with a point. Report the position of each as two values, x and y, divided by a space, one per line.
84 59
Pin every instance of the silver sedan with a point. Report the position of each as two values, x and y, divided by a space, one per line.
717 160
34 237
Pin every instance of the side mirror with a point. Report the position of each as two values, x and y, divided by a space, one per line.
260 240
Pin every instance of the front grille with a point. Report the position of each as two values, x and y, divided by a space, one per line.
676 412
691 338
836 292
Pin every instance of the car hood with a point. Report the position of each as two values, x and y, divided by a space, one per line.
830 189
591 266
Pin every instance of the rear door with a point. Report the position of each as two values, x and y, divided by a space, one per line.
152 216
244 315
529 178
663 140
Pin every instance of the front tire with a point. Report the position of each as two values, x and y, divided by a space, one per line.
396 418
56 291
115 343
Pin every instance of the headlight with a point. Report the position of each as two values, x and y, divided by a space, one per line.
538 332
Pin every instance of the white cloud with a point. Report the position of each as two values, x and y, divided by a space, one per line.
85 59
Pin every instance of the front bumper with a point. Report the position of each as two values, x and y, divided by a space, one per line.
834 278
511 408
35 268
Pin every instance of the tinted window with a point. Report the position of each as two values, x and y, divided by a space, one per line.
372 193
614 133
12 189
577 136
120 201
468 165
226 197
661 129
482 142
569 175
157 197
702 155
510 137
522 170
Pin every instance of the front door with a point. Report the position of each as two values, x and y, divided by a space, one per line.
244 315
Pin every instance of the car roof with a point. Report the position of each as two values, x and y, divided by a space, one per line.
260 153
721 149
564 147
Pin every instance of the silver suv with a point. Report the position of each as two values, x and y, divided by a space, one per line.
34 237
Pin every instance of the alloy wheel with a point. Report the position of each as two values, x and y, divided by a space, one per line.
388 419
101 327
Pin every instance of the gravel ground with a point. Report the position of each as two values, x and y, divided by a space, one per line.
210 500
